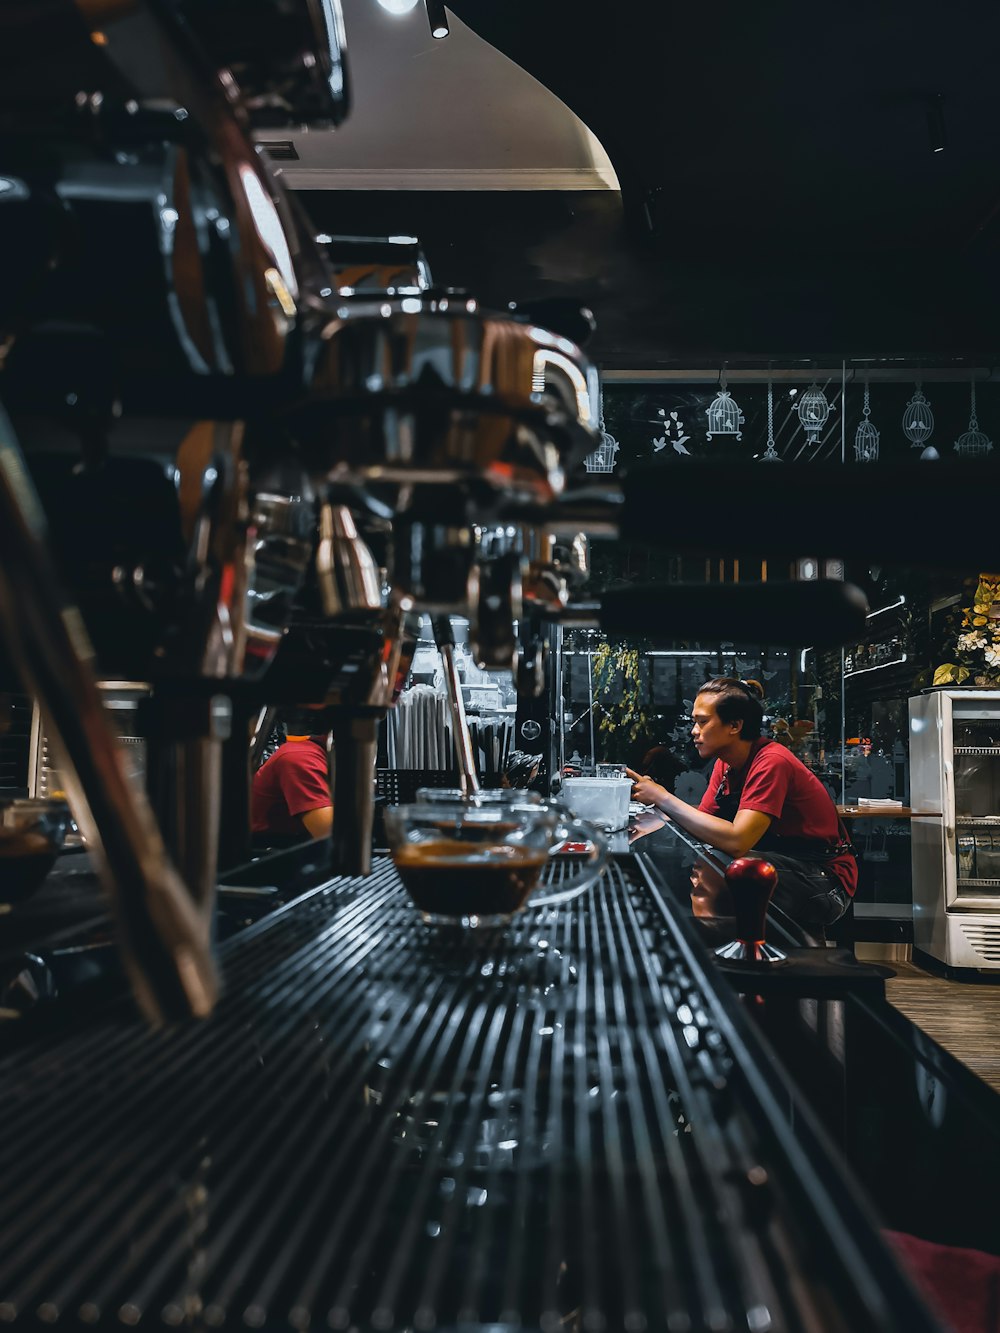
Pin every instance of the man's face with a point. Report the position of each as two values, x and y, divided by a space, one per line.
708 731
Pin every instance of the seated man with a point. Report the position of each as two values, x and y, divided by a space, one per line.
761 797
291 791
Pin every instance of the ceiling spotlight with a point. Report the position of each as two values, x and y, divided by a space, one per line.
398 6
437 18
935 123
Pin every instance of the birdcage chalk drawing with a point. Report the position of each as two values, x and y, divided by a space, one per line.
972 443
866 436
724 416
918 419
813 410
604 456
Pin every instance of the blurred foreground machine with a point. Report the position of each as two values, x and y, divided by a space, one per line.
220 436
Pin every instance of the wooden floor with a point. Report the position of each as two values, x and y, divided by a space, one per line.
963 1017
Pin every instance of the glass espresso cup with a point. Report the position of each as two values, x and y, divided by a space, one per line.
475 861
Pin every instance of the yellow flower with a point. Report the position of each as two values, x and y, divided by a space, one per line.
979 620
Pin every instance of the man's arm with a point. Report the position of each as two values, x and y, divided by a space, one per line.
305 785
319 823
734 839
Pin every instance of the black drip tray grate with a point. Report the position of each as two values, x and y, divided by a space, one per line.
379 1131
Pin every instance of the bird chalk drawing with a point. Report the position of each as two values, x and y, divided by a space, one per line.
673 433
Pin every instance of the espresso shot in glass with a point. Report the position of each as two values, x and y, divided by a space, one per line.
475 861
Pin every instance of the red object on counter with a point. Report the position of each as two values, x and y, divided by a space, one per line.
751 882
961 1286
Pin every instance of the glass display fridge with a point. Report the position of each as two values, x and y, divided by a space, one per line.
955 795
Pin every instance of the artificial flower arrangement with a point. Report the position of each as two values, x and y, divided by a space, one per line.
976 653
620 693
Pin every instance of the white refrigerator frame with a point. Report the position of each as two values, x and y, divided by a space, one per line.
951 921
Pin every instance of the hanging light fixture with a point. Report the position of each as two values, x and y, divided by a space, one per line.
770 454
724 417
813 410
918 419
866 436
973 443
437 18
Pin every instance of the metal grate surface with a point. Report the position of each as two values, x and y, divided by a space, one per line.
381 1131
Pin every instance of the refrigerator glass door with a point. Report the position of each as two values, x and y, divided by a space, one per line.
975 781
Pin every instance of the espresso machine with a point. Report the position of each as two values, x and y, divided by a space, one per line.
236 460
253 464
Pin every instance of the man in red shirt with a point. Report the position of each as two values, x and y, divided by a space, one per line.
761 797
291 792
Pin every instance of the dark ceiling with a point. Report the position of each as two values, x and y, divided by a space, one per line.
777 127
781 196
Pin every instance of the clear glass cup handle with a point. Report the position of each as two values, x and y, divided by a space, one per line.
573 835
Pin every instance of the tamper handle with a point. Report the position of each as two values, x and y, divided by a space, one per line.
751 882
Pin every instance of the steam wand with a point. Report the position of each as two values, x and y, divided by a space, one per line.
445 638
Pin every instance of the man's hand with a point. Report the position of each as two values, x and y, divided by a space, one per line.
648 822
645 790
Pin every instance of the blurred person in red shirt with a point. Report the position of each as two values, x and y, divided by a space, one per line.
290 795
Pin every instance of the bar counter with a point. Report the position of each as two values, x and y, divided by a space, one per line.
571 1123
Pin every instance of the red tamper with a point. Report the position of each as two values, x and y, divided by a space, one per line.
751 883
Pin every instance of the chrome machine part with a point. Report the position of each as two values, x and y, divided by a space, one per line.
288 60
384 264
353 787
279 547
531 660
447 414
346 571
359 698
133 112
496 611
238 261
757 952
164 931
430 389
260 733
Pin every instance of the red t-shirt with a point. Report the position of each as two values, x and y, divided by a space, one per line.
292 782
777 784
